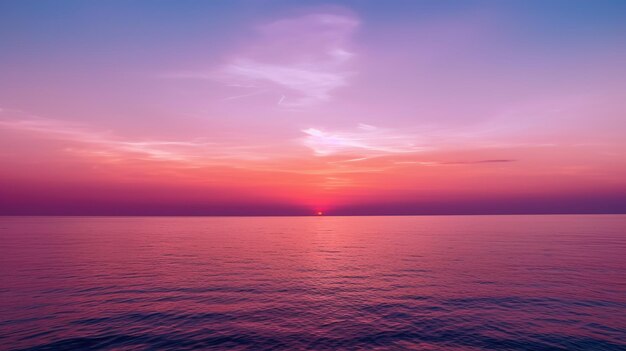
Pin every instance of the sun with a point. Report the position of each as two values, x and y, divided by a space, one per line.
319 213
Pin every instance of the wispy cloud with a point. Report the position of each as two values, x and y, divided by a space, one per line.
195 152
436 163
338 157
477 162
300 60
366 140
298 85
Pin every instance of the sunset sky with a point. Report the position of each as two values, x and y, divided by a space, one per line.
294 107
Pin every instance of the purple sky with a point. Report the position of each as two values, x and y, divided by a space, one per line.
285 107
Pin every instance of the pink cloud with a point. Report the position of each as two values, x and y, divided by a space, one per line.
367 140
86 141
298 61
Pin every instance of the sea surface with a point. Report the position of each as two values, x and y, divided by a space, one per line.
313 283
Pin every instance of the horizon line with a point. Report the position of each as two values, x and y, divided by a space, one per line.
325 215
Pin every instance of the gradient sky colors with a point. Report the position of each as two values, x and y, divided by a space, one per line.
286 107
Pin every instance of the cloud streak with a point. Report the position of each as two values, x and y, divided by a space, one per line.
194 152
336 158
298 85
367 141
435 163
300 60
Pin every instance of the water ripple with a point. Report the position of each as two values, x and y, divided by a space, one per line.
362 283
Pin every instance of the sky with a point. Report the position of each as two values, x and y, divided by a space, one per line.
290 107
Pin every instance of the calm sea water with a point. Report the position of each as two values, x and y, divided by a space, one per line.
318 283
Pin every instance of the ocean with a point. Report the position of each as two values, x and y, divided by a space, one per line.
550 282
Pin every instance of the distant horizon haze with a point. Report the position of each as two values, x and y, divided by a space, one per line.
571 205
